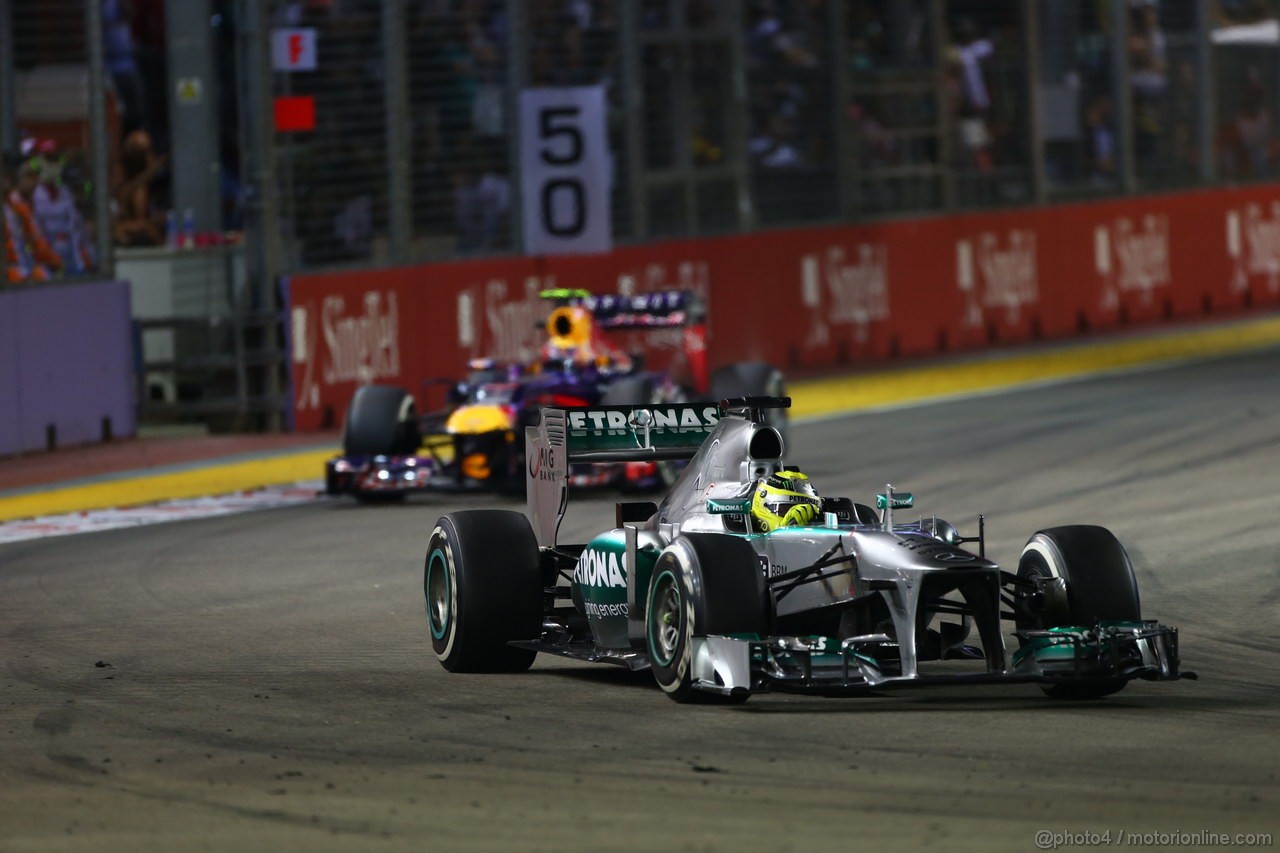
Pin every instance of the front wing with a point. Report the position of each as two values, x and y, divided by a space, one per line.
1116 651
372 476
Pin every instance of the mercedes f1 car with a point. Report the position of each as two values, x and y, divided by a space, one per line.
389 449
858 601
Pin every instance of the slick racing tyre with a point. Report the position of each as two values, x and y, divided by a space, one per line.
1100 583
382 420
702 584
753 379
483 588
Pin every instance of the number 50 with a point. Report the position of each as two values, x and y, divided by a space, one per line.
559 123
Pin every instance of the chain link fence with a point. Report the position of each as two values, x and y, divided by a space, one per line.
727 117
356 133
60 110
721 117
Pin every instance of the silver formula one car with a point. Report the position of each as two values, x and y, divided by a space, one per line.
858 601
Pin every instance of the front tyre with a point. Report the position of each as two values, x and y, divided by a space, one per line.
1100 586
382 420
702 584
483 589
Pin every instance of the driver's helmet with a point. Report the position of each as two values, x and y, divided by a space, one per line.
784 499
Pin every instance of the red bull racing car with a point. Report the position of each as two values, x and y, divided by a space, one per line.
390 449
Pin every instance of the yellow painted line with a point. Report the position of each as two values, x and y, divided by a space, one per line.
811 398
193 483
850 393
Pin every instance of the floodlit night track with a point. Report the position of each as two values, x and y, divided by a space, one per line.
265 680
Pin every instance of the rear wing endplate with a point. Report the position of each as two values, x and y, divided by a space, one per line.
652 433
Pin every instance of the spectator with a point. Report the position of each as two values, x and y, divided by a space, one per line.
1100 127
121 61
772 148
149 52
1148 76
876 146
139 222
1148 52
482 201
57 214
1244 143
968 71
28 256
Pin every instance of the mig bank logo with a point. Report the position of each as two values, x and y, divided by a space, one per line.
542 465
997 271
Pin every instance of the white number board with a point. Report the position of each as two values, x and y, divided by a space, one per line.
564 166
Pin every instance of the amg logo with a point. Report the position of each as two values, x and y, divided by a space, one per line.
600 568
582 420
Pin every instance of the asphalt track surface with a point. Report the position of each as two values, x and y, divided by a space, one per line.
264 681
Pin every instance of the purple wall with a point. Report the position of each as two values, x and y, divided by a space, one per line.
66 360
9 414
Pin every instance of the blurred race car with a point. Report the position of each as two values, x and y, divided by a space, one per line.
390 449
744 580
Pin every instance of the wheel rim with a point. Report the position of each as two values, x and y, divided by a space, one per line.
664 619
438 594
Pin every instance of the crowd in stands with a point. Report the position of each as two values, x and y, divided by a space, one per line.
45 233
901 130
49 231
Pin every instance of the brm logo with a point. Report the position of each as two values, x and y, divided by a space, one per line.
656 419
542 465
1253 244
997 273
837 289
362 347
600 568
1132 257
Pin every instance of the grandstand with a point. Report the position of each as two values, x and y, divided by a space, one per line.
883 180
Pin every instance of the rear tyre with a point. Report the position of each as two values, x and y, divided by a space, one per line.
702 584
753 379
483 589
382 420
1101 587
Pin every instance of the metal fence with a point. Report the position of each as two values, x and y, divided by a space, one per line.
728 117
722 117
56 117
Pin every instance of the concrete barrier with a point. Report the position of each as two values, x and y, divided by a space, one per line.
812 299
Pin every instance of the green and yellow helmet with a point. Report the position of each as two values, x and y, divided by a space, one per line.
784 499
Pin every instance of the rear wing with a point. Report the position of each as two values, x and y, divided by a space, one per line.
661 309
661 431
